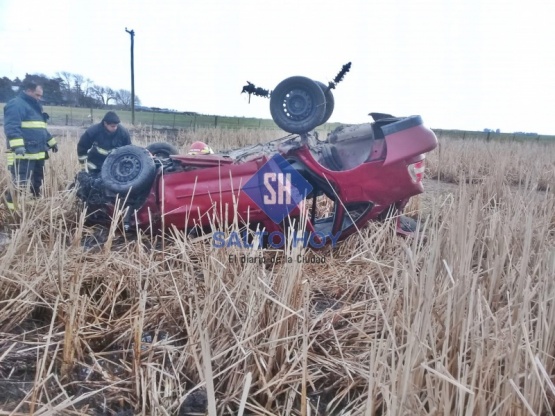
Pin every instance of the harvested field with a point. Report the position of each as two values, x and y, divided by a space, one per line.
458 320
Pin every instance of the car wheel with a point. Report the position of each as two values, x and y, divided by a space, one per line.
128 169
297 105
162 150
330 101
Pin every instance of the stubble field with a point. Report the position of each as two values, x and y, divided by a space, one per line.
459 320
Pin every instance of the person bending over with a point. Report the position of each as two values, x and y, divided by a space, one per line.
99 140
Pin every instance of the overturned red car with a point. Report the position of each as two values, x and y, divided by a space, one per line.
364 172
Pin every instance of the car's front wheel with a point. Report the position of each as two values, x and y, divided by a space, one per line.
162 150
128 169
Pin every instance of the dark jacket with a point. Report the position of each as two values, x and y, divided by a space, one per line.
24 125
97 143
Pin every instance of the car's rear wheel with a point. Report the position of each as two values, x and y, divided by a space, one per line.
297 105
128 169
162 150
330 101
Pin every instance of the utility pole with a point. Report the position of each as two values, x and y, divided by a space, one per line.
132 34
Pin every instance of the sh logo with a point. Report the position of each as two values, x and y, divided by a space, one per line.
277 188
281 195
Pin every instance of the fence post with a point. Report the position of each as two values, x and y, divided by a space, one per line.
67 119
92 119
215 121
173 125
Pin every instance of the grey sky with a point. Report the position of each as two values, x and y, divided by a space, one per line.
460 64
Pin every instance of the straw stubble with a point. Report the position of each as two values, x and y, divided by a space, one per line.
457 320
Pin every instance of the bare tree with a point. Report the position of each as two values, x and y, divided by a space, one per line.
87 85
75 89
98 92
66 85
123 98
102 94
110 95
66 78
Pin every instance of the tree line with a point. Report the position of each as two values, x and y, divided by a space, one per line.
67 89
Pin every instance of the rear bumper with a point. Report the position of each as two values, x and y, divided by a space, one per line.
407 138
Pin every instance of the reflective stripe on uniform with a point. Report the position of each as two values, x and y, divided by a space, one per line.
52 142
83 159
11 158
33 125
31 156
18 142
91 165
102 151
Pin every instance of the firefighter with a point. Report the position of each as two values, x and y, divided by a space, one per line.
28 140
200 148
99 140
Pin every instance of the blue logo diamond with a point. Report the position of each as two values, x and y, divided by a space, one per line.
277 188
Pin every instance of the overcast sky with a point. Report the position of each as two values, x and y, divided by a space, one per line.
465 64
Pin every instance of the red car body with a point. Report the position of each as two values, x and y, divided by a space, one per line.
367 171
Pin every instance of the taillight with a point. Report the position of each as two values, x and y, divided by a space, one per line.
416 171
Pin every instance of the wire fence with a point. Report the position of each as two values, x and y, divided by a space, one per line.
84 117
492 136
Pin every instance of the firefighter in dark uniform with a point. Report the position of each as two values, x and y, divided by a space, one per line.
99 140
28 140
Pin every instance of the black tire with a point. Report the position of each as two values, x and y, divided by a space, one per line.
297 105
330 101
128 169
162 150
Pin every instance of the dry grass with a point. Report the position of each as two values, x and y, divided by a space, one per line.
218 139
460 320
526 164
